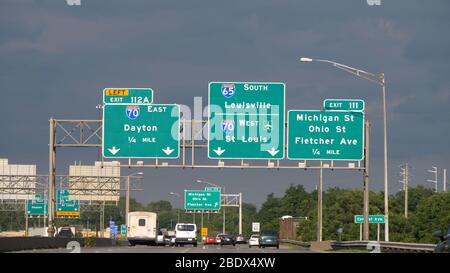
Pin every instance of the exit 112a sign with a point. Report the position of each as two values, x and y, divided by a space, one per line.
325 135
141 131
128 95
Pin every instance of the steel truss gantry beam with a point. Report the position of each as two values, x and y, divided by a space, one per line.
87 133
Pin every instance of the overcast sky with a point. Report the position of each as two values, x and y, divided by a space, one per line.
55 60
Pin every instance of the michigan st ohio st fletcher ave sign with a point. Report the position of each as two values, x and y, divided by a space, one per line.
246 120
325 135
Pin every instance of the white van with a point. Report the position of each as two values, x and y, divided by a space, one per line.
141 228
186 234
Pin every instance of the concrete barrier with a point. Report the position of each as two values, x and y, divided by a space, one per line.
8 244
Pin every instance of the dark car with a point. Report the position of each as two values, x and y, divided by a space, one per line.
269 238
226 239
444 241
65 232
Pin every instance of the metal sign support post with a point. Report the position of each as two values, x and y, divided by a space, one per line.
51 180
366 181
319 204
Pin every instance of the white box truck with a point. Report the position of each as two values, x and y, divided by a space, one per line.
141 228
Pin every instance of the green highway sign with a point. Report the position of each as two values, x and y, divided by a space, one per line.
141 131
373 219
343 104
246 120
325 135
37 206
123 230
128 95
65 206
201 200
212 189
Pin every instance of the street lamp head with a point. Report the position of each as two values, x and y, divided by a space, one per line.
304 59
198 181
137 173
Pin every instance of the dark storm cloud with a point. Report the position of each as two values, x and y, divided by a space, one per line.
55 59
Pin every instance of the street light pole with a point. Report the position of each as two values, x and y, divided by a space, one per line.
378 79
179 196
386 187
222 191
127 199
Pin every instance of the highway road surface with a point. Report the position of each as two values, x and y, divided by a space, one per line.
185 249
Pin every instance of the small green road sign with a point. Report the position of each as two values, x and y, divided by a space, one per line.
37 206
246 120
212 189
201 200
65 206
128 95
141 131
325 135
373 219
343 104
123 230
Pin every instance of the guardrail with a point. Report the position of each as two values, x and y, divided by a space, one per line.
8 244
375 246
297 243
385 247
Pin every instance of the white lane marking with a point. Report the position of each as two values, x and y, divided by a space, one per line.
184 251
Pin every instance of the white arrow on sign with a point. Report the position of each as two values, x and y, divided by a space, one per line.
219 151
216 204
168 151
273 152
267 126
113 150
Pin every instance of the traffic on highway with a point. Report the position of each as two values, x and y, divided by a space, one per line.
256 135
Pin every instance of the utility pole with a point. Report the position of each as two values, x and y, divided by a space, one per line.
127 201
434 170
102 220
26 218
406 189
240 213
366 181
444 181
223 228
319 205
405 174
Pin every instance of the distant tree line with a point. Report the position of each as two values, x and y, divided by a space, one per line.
427 212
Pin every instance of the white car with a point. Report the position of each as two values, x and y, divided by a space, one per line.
253 241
